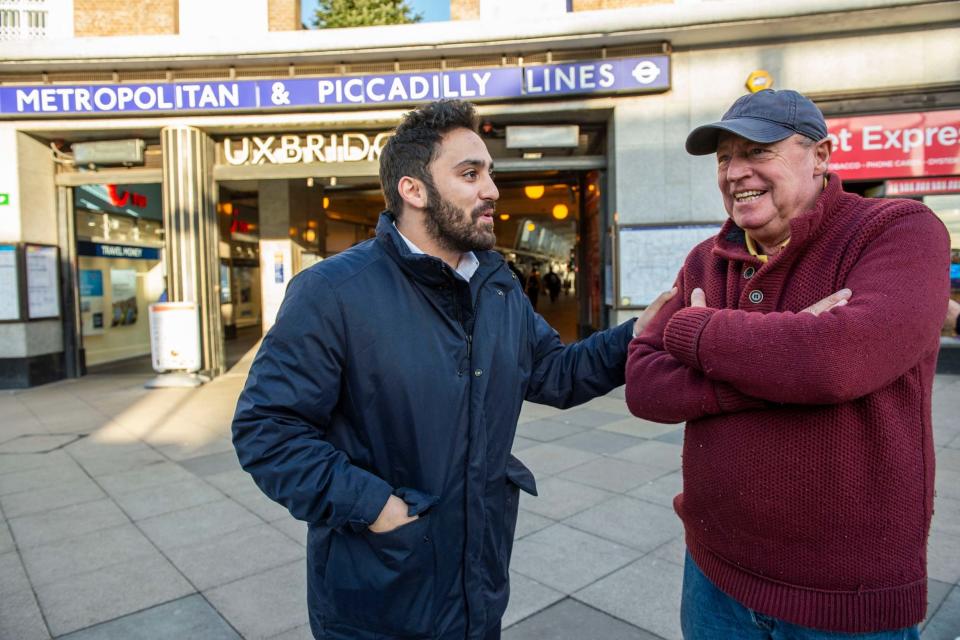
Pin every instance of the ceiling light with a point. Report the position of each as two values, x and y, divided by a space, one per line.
504 216
531 226
560 211
533 191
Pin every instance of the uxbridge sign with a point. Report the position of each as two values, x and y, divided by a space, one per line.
612 75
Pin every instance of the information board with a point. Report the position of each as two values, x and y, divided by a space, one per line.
43 282
650 258
9 283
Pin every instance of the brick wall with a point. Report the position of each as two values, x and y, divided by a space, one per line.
124 17
284 15
464 9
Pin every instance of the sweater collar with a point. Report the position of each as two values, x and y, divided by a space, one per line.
731 241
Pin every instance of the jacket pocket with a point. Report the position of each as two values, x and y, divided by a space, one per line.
382 582
518 477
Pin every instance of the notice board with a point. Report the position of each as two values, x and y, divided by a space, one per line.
650 257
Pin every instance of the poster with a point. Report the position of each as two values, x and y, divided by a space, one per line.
175 336
651 257
123 296
91 301
43 282
9 283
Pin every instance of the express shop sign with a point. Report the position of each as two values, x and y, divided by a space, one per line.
897 145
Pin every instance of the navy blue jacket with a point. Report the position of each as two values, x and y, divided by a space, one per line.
387 373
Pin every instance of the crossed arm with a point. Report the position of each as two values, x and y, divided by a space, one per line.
693 361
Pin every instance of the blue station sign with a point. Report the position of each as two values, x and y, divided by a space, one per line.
613 75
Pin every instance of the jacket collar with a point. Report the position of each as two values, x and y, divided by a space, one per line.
731 244
427 269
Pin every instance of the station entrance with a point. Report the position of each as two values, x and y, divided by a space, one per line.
547 227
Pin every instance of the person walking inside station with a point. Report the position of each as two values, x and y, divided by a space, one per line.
808 452
382 405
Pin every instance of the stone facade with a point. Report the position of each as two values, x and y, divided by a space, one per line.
125 17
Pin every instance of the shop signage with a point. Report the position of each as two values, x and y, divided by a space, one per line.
896 145
99 250
313 147
612 75
922 186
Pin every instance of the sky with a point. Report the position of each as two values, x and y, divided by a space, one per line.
432 10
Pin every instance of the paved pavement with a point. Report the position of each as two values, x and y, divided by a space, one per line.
124 516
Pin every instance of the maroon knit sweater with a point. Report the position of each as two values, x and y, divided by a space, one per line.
808 454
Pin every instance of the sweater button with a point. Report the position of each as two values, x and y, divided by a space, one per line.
748 272
756 297
478 372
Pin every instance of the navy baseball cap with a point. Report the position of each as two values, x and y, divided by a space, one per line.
766 116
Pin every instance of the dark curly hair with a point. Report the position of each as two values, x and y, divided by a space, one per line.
415 143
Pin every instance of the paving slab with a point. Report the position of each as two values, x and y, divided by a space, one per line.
266 604
166 498
599 441
66 522
235 555
529 522
572 620
945 623
186 618
674 551
197 524
257 502
631 522
646 594
145 477
41 478
937 592
53 562
566 559
86 599
294 529
12 575
527 597
943 556
653 453
110 462
547 459
20 617
6 538
612 474
49 498
12 462
640 428
946 515
211 464
547 429
561 498
661 490
302 632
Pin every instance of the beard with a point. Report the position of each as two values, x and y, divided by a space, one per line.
453 229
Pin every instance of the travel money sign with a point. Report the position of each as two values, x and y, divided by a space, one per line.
612 75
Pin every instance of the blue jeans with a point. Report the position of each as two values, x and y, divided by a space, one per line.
706 613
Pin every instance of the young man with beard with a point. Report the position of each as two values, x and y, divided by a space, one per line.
382 405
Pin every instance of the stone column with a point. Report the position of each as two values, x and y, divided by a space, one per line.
192 236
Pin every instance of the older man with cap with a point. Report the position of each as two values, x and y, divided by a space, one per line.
801 354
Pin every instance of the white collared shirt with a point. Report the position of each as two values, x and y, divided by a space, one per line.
469 263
